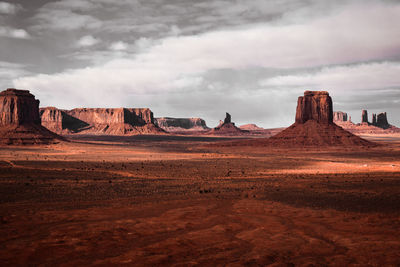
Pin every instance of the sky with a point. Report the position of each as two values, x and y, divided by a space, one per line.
187 58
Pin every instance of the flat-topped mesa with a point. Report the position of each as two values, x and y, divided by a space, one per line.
339 116
133 116
181 124
97 121
364 116
18 107
314 105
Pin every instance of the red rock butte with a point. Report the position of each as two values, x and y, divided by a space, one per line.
314 125
314 105
20 119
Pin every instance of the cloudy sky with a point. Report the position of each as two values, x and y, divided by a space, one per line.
200 58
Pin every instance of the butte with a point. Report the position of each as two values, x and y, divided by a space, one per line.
314 125
20 120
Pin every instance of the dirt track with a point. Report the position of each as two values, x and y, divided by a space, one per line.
179 201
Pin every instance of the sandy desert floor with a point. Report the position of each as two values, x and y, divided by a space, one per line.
182 200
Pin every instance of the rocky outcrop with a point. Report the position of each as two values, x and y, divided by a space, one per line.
251 127
228 118
99 121
227 127
373 119
381 121
60 121
364 116
18 107
339 116
181 124
314 105
20 119
314 125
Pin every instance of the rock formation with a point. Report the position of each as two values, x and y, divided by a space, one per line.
339 116
20 120
373 119
314 125
364 116
381 121
181 124
227 127
98 121
251 127
228 118
314 105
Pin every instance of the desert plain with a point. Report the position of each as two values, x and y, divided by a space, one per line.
199 201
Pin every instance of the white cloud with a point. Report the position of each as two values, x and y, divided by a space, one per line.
354 34
343 78
10 71
87 40
64 19
119 46
14 33
8 8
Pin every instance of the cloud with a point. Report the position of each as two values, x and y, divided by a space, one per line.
53 18
366 76
179 64
8 8
14 33
10 71
119 46
87 40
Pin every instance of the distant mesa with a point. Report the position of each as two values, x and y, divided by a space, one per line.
20 120
181 124
339 116
379 124
251 127
100 121
314 125
227 127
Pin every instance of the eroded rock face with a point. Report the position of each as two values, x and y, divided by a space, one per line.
373 119
339 116
18 107
111 121
20 120
181 124
314 105
364 116
228 118
381 120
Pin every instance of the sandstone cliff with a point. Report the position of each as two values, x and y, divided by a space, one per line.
339 116
20 119
181 124
314 105
99 121
381 121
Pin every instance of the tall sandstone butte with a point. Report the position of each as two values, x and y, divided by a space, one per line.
314 125
314 105
18 107
20 119
364 116
381 120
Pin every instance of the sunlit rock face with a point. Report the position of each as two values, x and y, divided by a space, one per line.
314 105
18 107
